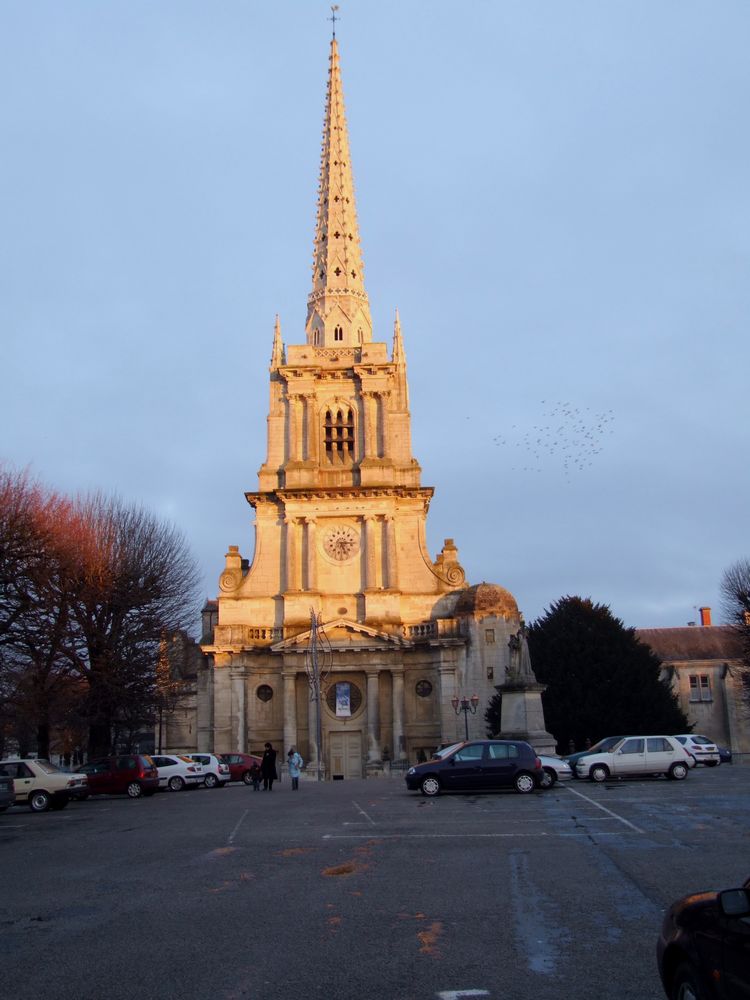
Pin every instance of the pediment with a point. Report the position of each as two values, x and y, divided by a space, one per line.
342 633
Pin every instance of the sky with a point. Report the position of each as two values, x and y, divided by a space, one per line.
554 195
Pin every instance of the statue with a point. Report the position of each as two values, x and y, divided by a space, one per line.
519 670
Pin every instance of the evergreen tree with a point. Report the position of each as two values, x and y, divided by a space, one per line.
601 680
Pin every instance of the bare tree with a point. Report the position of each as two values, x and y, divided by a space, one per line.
735 606
135 581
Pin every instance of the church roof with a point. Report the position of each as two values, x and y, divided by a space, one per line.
693 642
486 599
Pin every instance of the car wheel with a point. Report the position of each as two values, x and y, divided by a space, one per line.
548 778
685 984
599 772
39 802
176 783
677 772
134 790
524 783
247 778
211 781
430 786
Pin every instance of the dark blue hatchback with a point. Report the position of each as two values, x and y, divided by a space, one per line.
478 766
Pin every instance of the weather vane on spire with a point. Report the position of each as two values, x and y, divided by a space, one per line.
333 18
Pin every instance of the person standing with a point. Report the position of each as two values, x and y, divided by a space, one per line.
295 766
268 767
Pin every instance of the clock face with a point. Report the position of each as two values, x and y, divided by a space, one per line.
341 542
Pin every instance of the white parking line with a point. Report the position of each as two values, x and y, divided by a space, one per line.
237 826
462 994
363 813
604 809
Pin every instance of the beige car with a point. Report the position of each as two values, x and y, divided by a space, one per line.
42 785
636 757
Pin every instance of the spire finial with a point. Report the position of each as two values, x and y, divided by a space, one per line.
333 18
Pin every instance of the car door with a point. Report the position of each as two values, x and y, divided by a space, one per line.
462 770
660 755
23 779
631 757
499 765
736 952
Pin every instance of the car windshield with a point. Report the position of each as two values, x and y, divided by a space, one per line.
702 741
48 767
607 743
445 752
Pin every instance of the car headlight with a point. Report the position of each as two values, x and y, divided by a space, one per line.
412 770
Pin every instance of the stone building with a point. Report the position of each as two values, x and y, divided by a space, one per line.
340 530
705 667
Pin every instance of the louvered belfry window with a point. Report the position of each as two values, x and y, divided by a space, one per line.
339 434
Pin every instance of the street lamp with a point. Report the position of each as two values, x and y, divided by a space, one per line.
465 705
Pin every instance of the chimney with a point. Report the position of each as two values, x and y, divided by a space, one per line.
705 614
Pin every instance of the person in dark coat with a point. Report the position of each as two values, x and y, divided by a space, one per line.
268 767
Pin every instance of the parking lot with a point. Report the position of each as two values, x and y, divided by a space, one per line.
363 890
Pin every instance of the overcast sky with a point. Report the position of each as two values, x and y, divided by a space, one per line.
554 194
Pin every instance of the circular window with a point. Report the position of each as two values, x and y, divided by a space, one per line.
423 689
344 698
265 692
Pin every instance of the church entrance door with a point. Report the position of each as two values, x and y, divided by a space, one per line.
345 754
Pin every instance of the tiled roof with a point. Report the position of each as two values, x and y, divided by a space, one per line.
694 642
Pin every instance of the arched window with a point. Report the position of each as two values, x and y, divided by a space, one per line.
338 333
359 335
338 433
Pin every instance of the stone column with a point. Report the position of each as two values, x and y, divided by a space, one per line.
385 423
292 554
448 718
371 566
399 743
391 552
312 554
308 449
368 400
374 754
296 415
239 720
290 711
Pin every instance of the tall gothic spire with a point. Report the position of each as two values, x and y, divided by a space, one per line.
338 310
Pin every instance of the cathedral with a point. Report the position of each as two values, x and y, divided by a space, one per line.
408 654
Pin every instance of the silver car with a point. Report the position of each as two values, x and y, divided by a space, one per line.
554 769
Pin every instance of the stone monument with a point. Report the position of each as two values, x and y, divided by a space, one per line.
522 715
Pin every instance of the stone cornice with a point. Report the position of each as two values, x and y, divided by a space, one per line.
423 493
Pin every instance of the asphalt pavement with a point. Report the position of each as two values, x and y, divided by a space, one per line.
360 890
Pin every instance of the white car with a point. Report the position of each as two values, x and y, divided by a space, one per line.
177 772
701 749
42 785
554 769
216 772
634 756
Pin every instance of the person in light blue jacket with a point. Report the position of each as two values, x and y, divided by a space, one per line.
295 764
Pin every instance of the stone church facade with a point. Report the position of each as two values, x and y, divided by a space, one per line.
340 530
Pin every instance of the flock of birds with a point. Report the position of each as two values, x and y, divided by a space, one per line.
567 435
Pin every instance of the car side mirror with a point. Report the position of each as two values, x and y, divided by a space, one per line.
735 902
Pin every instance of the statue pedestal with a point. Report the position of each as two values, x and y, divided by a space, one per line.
522 716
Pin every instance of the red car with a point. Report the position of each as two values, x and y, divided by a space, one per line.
130 774
239 765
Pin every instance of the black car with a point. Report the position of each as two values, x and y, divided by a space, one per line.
477 766
703 950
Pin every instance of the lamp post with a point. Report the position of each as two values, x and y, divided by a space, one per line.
465 705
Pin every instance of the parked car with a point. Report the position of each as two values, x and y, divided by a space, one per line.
636 756
128 774
239 765
7 795
606 744
725 755
480 765
701 749
703 951
215 771
554 769
176 772
41 784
